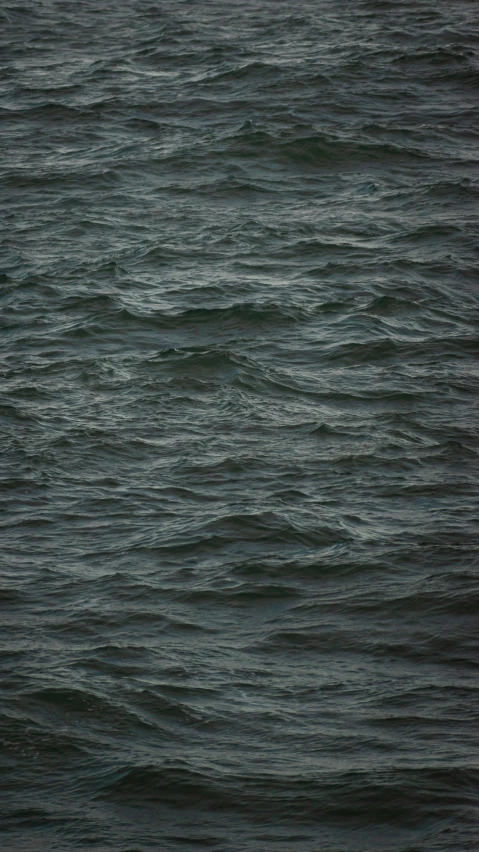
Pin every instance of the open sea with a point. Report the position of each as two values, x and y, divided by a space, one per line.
239 399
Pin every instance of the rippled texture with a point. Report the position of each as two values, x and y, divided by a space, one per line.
239 426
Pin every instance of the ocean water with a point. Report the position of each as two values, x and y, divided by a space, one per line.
239 422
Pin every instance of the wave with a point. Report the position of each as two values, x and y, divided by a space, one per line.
335 796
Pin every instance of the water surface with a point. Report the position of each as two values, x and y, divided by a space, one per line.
239 426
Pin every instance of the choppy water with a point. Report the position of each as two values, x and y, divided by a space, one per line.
239 425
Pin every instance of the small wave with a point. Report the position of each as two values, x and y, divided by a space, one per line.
249 72
242 595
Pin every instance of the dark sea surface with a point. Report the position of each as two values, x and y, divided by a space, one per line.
240 423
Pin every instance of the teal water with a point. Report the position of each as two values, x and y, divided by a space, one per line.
239 420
